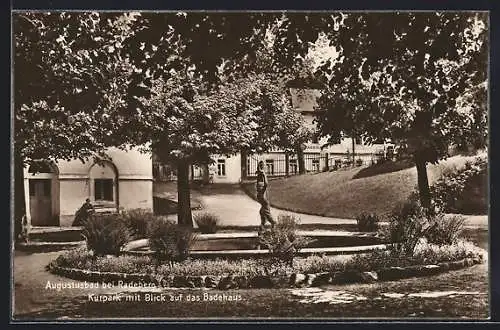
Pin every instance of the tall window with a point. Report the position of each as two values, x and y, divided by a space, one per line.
270 166
103 189
315 165
249 172
221 167
293 166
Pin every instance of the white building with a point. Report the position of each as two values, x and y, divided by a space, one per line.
54 195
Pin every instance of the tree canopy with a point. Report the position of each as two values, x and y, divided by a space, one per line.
418 79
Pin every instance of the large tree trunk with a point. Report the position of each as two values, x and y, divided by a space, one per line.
184 216
301 160
19 195
423 183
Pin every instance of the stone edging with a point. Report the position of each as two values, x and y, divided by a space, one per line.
263 281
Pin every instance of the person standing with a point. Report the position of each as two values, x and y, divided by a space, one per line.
262 197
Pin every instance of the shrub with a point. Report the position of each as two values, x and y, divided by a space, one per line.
359 162
207 222
170 241
282 240
455 189
75 258
445 230
407 225
106 234
139 221
368 222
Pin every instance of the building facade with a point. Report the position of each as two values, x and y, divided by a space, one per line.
54 193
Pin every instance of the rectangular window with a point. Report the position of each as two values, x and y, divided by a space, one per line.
293 166
315 165
103 189
221 167
270 166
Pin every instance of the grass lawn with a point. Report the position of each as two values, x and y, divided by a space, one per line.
347 193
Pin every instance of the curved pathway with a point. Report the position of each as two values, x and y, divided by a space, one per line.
235 208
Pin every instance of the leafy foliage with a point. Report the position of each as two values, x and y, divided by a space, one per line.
70 83
207 222
140 220
450 192
106 234
367 222
445 230
282 240
169 241
408 223
417 79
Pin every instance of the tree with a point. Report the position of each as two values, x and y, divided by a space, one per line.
415 78
85 81
69 83
213 89
189 129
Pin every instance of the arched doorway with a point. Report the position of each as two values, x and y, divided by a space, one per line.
104 186
43 186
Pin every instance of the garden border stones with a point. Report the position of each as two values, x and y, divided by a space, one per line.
264 281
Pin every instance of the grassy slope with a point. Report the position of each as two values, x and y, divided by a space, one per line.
340 194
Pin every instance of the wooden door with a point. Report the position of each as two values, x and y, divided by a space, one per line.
41 202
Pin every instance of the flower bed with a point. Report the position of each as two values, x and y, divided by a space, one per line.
428 259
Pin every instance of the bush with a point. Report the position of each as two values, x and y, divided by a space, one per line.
170 241
368 222
359 162
408 223
282 240
139 221
457 187
207 222
445 230
106 234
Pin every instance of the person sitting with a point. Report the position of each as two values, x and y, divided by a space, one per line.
83 213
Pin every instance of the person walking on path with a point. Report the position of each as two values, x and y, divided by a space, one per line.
262 197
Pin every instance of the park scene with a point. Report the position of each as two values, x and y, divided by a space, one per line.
250 165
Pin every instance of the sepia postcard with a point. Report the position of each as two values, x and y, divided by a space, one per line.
250 165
